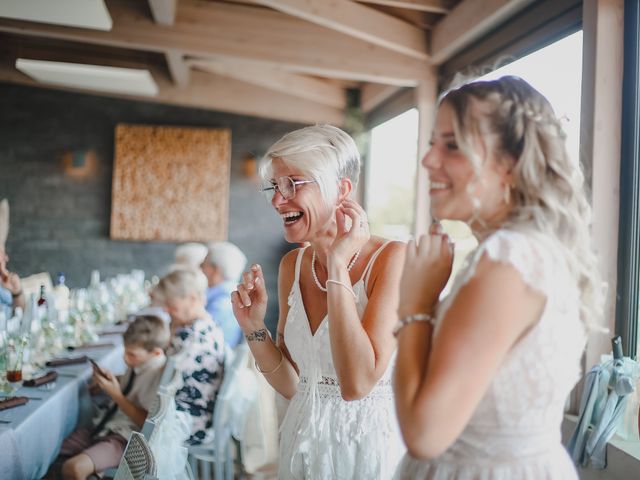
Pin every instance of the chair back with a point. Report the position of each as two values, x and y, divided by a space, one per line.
137 463
156 414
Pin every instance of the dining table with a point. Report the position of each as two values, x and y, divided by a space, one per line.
31 434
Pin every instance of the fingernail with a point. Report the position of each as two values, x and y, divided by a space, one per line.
257 280
250 286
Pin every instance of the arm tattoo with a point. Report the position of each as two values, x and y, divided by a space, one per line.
258 336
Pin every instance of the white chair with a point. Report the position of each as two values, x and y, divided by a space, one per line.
235 398
156 415
137 462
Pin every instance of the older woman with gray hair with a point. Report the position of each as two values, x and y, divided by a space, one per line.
197 347
337 298
223 266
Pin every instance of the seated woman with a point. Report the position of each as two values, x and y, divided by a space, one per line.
197 346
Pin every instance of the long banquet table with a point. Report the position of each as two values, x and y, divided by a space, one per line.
32 438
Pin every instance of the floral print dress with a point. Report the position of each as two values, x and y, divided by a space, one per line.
198 352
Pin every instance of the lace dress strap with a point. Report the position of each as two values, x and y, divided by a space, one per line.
367 270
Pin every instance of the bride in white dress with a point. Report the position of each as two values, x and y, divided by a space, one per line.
481 384
337 296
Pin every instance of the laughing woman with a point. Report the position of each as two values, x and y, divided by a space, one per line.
482 378
337 299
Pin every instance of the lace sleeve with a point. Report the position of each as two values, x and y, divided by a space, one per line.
522 252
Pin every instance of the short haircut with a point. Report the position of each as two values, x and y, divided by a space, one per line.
148 332
181 283
323 152
228 258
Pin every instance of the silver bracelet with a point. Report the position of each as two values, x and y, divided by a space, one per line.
342 284
416 317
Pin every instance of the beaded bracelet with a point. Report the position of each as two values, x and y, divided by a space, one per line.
342 284
267 372
416 317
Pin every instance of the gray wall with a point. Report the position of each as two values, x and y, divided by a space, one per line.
62 224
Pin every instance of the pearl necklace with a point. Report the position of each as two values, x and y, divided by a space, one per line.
313 268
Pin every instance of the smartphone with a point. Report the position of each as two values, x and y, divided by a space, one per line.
97 368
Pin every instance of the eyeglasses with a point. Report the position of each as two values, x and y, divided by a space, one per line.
286 186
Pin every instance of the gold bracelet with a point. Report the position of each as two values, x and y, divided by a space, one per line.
270 371
417 317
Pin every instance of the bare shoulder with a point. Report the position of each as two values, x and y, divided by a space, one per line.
288 261
388 264
391 254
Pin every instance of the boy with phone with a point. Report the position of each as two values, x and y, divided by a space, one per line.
94 449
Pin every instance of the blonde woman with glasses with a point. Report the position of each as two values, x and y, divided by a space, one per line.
337 296
482 377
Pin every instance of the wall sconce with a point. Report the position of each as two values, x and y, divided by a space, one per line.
250 166
79 164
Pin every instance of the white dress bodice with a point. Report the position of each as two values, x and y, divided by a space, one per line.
514 433
322 435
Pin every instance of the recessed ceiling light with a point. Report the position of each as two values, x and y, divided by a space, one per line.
130 81
73 13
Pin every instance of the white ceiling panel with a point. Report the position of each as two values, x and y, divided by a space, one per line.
128 81
75 13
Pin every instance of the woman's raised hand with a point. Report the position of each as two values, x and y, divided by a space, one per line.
427 269
249 300
348 241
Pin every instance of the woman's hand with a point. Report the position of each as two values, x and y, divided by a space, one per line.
348 242
249 300
427 269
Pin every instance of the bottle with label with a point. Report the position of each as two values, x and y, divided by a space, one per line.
42 301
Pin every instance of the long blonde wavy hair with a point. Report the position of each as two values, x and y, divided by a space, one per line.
548 193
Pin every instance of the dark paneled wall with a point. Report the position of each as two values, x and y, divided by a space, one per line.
59 223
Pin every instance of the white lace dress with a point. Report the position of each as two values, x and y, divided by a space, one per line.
322 435
514 434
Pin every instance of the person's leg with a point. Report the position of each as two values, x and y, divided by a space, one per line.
107 452
78 467
71 446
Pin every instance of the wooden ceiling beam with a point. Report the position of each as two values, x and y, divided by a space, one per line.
373 94
163 11
218 30
359 21
215 93
434 6
467 22
276 79
178 68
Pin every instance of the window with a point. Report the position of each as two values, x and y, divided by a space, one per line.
390 176
563 91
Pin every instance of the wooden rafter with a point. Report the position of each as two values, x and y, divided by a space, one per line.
358 21
276 79
469 20
373 94
435 6
206 91
163 11
178 68
233 31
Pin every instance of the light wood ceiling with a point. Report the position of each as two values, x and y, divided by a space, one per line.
282 59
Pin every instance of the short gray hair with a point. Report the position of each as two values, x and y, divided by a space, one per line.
190 254
324 152
228 258
181 283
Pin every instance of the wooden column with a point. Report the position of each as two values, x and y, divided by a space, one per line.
600 143
426 99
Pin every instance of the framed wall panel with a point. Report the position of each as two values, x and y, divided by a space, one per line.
170 183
